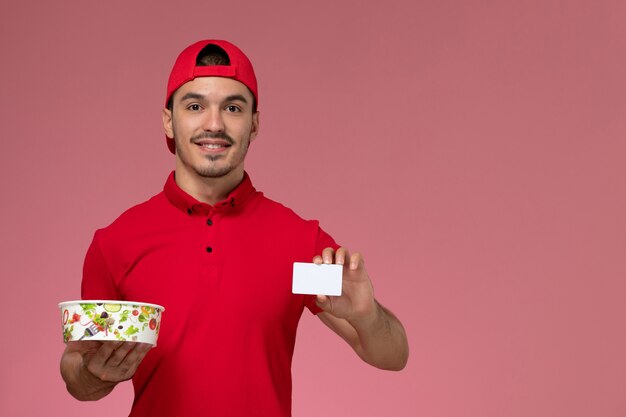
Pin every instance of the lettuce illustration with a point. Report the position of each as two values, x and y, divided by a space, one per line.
124 316
131 330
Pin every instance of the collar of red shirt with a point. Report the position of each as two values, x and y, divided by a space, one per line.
189 205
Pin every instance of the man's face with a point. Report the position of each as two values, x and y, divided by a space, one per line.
212 125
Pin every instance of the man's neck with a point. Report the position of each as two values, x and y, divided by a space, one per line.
208 190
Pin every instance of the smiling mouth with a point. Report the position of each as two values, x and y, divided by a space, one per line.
214 145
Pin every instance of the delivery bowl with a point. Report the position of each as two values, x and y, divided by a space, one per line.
111 320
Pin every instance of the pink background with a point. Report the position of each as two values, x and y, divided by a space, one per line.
474 151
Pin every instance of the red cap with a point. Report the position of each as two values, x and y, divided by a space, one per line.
185 70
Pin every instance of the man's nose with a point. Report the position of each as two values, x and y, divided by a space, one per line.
213 121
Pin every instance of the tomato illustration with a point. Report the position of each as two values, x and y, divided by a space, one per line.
135 313
153 324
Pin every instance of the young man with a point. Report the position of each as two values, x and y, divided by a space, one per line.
218 255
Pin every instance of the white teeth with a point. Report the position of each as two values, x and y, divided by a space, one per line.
212 146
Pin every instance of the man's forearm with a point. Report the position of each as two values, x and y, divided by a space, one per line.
382 340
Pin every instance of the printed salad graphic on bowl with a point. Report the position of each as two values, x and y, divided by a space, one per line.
111 320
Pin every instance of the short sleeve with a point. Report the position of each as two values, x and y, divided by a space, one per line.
324 240
97 283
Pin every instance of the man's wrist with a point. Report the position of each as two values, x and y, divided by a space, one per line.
369 320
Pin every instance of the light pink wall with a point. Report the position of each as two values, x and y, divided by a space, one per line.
472 150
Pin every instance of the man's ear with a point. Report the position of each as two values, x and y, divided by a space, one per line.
254 130
167 123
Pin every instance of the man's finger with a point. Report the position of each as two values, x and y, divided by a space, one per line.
95 363
327 255
104 353
341 256
139 352
323 302
116 370
356 261
135 356
83 346
119 354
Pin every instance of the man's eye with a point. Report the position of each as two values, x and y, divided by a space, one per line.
194 107
232 108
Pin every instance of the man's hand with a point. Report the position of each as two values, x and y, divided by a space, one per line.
91 369
375 334
356 301
112 361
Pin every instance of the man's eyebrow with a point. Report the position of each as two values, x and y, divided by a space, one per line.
194 96
198 96
236 97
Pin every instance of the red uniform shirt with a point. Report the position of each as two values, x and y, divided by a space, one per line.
223 274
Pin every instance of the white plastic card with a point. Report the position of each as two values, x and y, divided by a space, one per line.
323 279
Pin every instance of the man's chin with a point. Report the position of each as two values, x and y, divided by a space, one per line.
214 172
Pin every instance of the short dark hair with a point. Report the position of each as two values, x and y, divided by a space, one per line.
212 55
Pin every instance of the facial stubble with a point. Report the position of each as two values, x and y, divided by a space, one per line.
212 171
